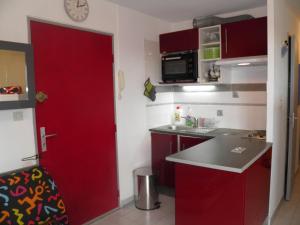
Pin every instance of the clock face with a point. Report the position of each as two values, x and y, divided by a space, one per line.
77 10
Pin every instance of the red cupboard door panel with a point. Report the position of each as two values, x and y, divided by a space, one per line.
162 146
74 68
188 142
179 41
208 197
258 190
245 38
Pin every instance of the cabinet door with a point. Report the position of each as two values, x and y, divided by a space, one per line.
188 142
258 190
244 38
163 145
179 41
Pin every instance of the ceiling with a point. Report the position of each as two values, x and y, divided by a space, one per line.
180 10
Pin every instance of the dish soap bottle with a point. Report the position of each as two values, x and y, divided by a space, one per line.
189 118
177 116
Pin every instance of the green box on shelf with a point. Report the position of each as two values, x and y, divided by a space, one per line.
211 53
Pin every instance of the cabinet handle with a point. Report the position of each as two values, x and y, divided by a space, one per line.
171 148
226 41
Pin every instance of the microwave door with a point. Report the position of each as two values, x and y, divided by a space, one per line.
175 69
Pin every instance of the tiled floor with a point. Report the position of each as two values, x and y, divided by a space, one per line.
129 215
289 212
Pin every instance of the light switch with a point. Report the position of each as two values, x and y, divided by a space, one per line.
18 116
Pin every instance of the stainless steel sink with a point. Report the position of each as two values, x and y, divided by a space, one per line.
202 130
179 128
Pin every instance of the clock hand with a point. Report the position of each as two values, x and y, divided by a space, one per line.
81 5
77 3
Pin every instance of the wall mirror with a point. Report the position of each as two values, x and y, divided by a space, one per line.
16 76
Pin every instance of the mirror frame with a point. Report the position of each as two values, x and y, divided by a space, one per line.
28 50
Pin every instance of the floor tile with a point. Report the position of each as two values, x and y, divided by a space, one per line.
289 211
129 215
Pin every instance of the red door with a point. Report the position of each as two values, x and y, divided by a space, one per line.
74 69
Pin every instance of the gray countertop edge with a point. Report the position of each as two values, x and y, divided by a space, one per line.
218 167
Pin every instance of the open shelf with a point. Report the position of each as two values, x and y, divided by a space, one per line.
209 60
211 44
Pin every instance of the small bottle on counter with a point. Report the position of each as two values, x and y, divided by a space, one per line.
177 115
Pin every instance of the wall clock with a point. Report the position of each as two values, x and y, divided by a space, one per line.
77 10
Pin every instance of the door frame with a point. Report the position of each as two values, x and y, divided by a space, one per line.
29 19
292 123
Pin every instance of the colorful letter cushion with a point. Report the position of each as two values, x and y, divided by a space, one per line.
30 197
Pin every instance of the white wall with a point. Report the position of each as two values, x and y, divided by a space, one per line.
130 29
281 22
133 134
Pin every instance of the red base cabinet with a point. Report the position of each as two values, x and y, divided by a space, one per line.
213 197
188 142
163 145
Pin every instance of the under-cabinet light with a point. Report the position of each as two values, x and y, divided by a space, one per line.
244 64
199 88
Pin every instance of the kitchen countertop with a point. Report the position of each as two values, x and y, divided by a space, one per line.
216 153
190 132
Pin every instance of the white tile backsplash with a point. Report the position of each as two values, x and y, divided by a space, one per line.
247 111
258 97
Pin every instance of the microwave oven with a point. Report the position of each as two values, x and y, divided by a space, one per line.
180 67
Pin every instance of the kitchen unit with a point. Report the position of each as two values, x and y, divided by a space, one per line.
166 141
245 39
227 176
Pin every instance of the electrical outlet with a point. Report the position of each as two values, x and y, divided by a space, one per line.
18 116
235 94
219 112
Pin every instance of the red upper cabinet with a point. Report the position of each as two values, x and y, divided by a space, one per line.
244 38
184 40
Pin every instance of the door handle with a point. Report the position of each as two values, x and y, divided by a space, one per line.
226 41
34 157
50 135
171 148
44 137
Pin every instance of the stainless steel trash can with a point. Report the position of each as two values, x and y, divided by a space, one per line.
145 190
